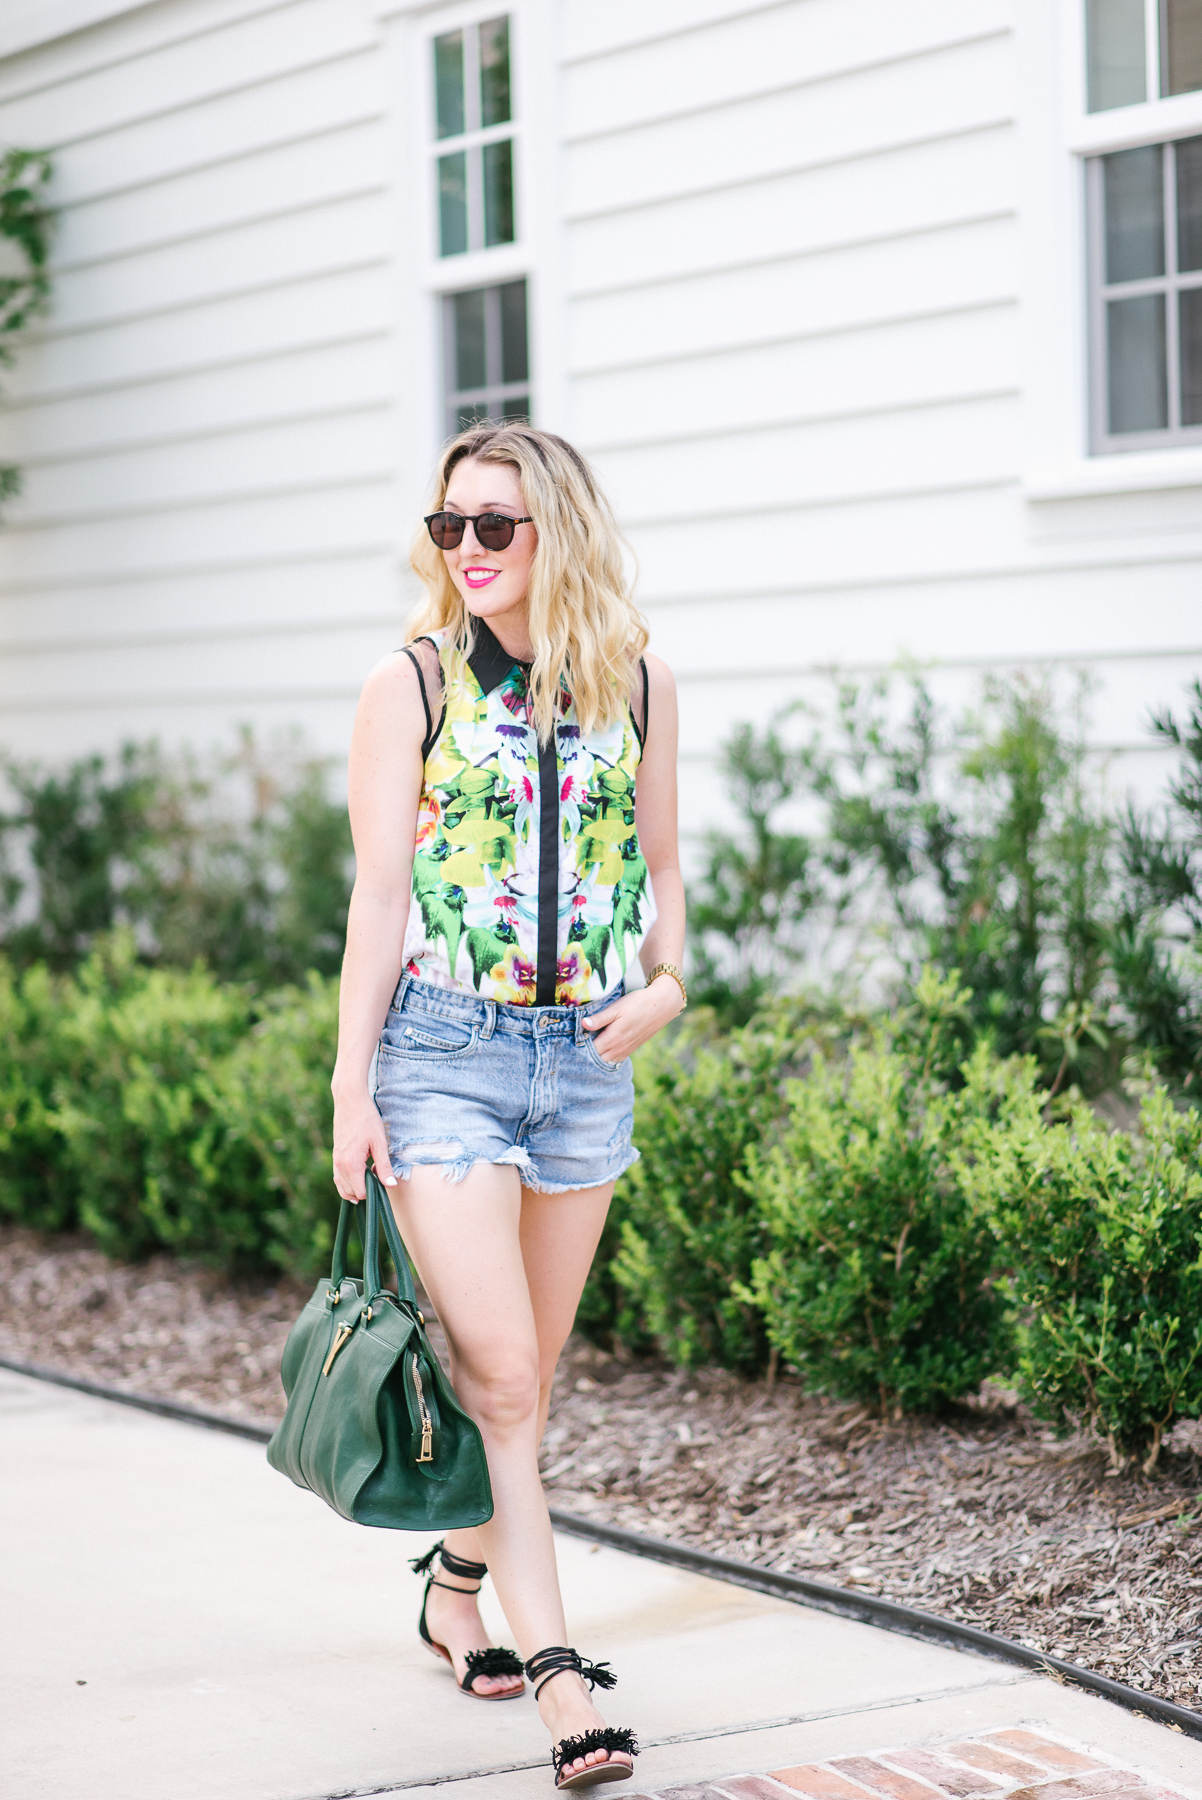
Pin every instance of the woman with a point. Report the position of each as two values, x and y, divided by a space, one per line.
513 801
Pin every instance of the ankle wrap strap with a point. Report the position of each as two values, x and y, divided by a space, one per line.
546 1664
454 1565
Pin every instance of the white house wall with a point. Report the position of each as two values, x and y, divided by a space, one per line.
207 530
777 269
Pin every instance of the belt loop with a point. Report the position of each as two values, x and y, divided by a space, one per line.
490 1020
398 999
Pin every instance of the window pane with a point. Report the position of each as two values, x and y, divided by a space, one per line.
448 83
1134 213
498 193
1190 318
1183 20
516 407
515 364
470 357
495 101
1189 203
1135 342
452 204
1115 35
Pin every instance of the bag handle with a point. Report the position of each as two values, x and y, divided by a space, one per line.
379 1208
338 1263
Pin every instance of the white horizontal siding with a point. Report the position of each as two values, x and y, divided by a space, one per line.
341 231
946 94
351 516
909 364
680 487
300 100
321 380
891 194
304 594
755 49
241 47
206 530
283 315
335 448
931 273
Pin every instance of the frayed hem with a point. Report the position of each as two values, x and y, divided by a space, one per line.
455 1169
578 1187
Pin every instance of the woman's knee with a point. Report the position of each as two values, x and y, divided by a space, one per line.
504 1394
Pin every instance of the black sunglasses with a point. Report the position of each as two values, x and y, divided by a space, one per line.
494 530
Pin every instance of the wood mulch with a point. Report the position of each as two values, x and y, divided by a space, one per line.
983 1516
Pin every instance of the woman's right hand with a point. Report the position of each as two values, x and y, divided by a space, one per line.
359 1134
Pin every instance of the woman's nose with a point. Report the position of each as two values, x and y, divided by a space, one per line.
470 540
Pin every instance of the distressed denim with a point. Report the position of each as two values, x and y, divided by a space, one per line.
461 1081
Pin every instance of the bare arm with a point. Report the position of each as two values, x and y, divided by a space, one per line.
622 1027
385 778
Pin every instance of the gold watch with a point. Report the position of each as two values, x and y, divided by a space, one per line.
674 972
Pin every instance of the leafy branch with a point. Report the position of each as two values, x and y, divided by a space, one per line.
25 225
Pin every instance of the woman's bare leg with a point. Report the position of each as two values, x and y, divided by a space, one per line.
505 1267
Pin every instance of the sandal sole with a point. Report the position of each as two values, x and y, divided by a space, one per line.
469 1693
606 1771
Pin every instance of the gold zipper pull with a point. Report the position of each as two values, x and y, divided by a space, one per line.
340 1338
427 1449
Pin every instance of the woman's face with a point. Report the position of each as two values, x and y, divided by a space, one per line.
492 582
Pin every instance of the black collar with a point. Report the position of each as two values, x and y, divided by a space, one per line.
489 663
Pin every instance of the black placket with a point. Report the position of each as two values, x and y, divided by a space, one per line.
490 664
548 872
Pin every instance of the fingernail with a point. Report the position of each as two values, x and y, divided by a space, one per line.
390 1181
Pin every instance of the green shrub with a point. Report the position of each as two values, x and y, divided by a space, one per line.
245 862
270 1098
683 1232
35 1188
164 1109
142 1144
877 1285
1003 873
1156 942
1103 1231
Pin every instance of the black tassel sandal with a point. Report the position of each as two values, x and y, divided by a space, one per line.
543 1667
489 1663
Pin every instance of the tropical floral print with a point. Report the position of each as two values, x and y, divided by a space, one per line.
473 923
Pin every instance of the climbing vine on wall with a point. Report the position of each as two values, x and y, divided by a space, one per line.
25 222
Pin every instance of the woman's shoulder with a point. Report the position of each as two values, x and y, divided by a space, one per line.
661 683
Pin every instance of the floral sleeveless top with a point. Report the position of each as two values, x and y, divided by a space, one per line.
529 886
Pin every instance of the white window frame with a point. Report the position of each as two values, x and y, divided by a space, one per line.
1102 441
489 392
475 136
421 278
1056 137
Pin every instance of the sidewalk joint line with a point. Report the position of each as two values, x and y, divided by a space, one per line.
704 1735
798 1590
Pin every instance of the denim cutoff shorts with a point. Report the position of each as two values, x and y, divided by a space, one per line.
461 1081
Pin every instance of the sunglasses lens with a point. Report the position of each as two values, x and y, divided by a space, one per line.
446 528
494 531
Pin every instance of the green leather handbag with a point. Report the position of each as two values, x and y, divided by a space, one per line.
372 1424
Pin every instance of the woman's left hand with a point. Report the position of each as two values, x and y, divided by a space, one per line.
621 1028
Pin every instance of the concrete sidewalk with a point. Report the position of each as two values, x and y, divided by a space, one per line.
183 1624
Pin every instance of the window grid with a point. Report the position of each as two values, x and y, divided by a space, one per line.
485 338
473 151
1141 50
1106 336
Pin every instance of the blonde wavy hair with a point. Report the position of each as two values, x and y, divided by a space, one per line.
585 628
